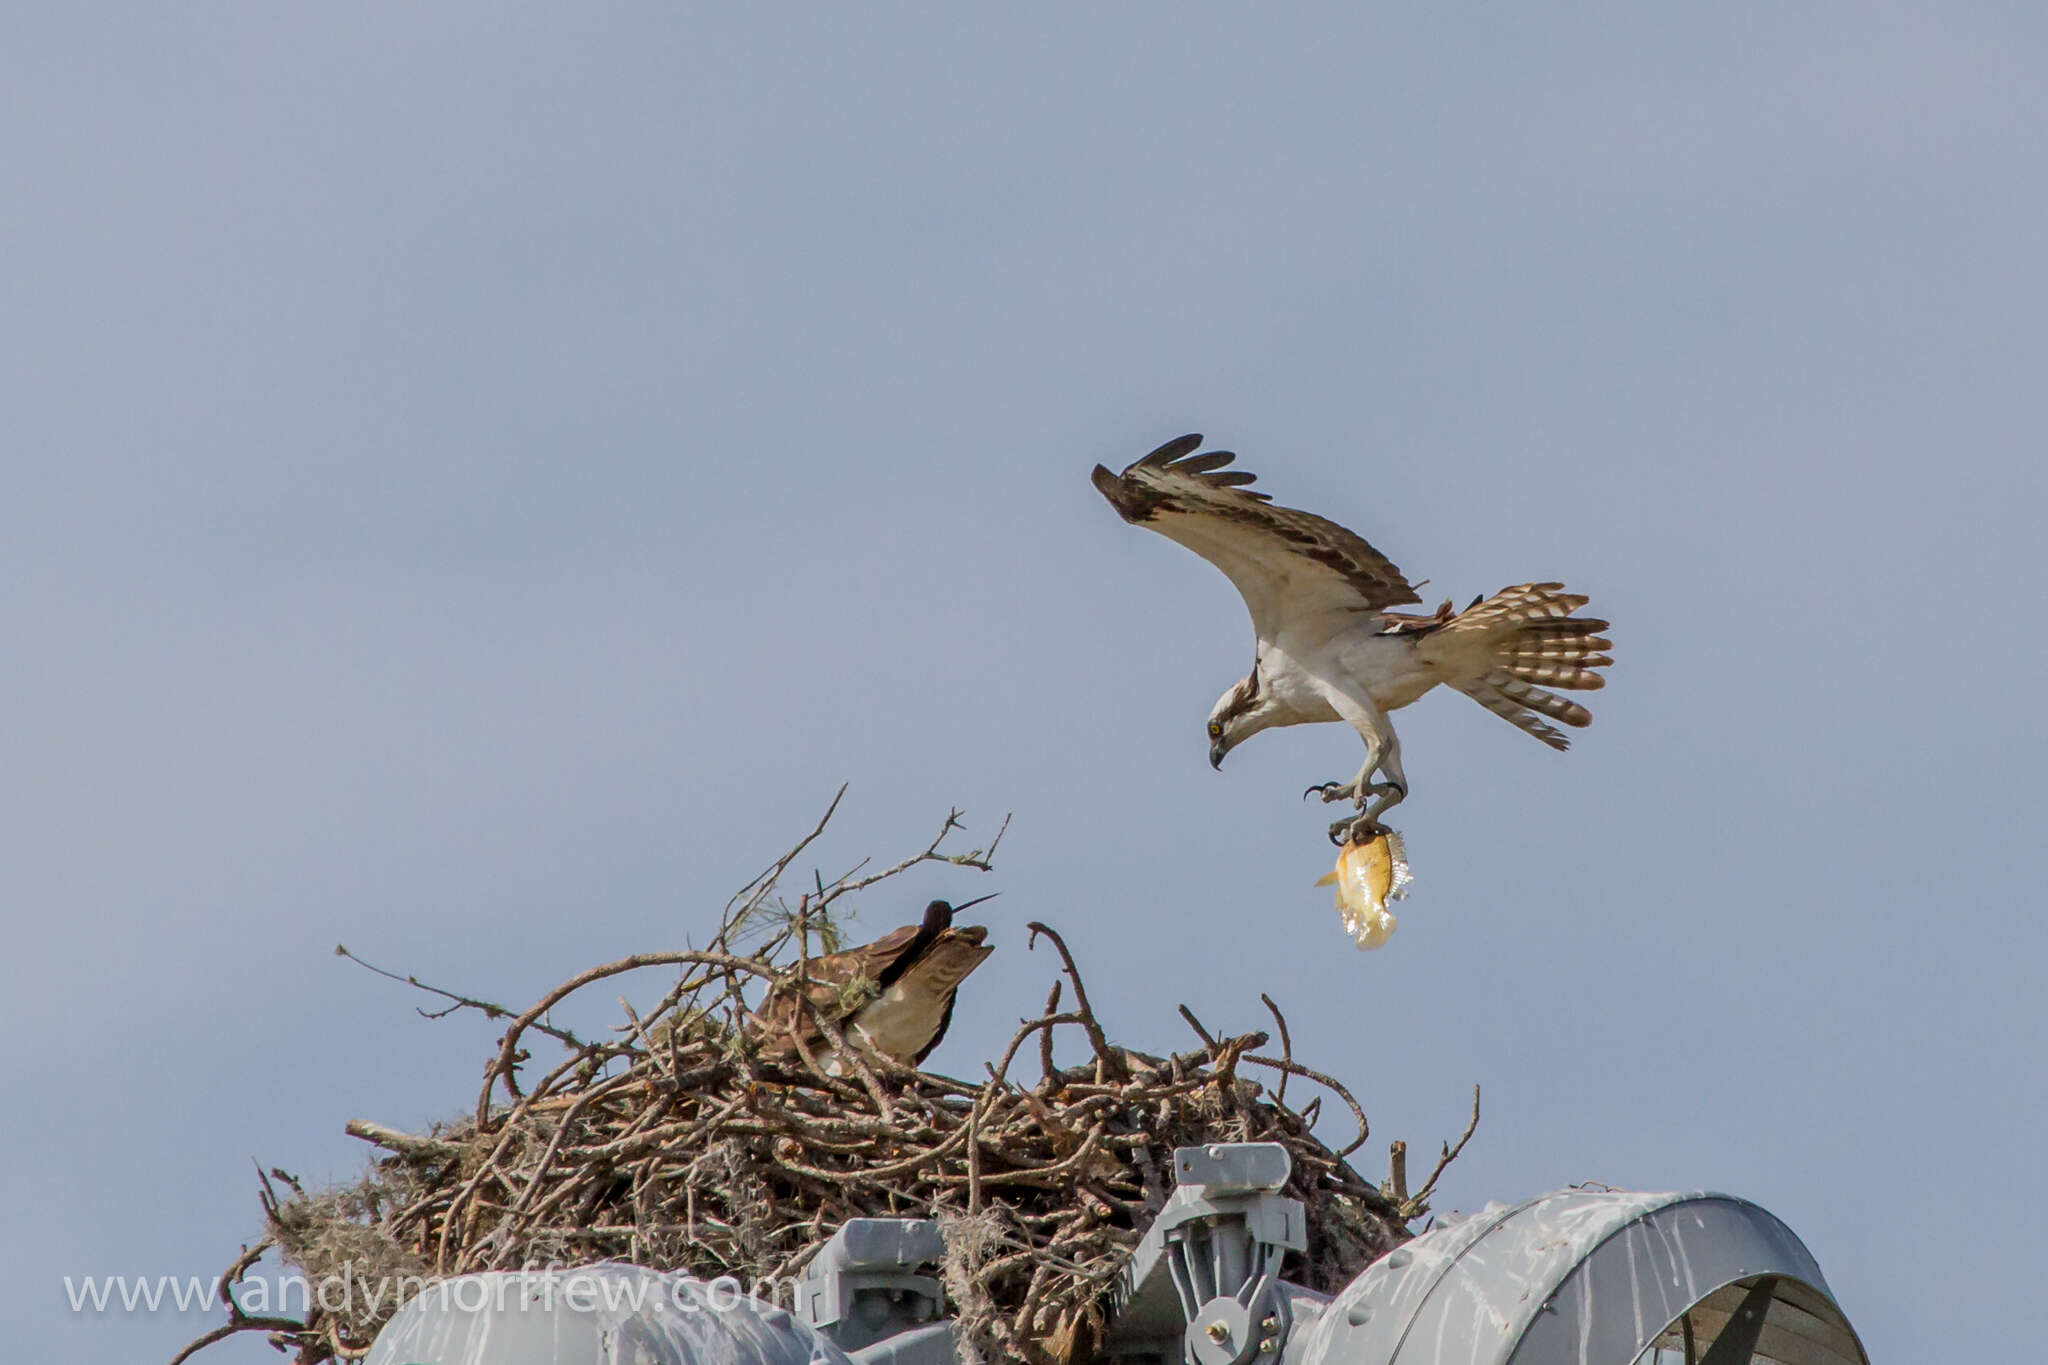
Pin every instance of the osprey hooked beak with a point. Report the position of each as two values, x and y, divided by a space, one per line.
1217 748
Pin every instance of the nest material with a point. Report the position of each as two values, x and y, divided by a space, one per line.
682 1145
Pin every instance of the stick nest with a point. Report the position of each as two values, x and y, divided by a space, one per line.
677 1144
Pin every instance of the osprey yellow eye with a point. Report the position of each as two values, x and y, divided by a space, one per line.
1215 730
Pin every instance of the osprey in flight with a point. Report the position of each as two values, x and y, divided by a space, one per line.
896 993
1329 648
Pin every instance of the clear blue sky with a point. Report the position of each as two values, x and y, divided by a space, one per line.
481 476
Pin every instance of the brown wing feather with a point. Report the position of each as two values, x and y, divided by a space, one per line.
1283 561
827 982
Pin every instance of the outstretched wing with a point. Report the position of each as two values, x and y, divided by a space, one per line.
1295 570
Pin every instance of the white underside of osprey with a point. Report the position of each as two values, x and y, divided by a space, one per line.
1356 679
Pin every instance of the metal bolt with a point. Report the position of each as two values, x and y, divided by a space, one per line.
1219 1330
1267 1347
1268 1323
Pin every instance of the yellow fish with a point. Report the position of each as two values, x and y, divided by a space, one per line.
1369 873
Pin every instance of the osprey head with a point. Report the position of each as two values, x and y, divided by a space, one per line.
1239 714
938 916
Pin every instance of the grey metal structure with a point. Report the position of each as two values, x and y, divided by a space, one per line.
1595 1277
1204 1285
862 1293
604 1314
1601 1277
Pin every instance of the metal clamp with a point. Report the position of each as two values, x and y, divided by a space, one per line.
1205 1279
861 1287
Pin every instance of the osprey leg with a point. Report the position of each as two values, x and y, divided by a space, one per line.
1394 790
1382 757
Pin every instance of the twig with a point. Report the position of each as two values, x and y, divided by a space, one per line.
974 1160
502 1066
1107 1061
1414 1207
238 1321
1207 1038
1286 1045
977 859
486 1007
405 1144
1329 1083
1050 1072
766 880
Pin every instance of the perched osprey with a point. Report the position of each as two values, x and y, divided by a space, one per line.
1329 648
895 993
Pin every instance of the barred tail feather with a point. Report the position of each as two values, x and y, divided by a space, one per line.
1558 654
1493 692
1536 699
1526 635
